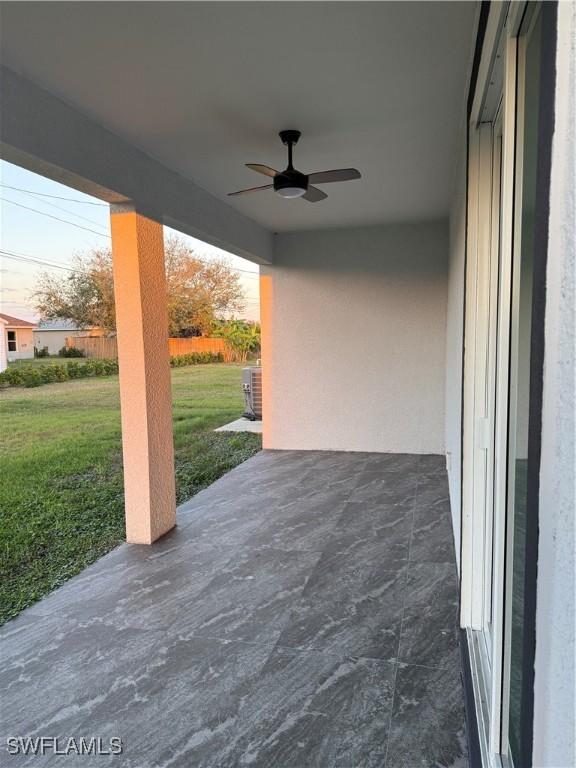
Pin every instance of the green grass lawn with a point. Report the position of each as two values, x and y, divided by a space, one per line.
61 497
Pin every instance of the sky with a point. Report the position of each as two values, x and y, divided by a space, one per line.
37 228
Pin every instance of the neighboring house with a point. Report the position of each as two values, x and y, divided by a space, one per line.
425 310
3 345
19 337
53 334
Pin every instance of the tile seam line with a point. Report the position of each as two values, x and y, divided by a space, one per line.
414 501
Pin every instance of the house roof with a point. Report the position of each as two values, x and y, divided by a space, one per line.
58 325
16 322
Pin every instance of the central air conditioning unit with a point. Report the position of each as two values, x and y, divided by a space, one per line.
252 386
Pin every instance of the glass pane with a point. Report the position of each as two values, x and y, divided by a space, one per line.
495 270
528 117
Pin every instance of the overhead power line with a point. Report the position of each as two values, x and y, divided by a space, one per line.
252 272
32 260
44 262
57 218
246 271
55 197
66 210
26 259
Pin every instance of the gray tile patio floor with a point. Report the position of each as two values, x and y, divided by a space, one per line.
303 613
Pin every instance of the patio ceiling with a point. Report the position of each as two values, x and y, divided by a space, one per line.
204 88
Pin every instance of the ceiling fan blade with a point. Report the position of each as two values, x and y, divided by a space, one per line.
251 189
314 195
341 174
265 169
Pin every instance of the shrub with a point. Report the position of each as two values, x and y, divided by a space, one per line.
53 373
75 371
33 378
40 351
13 376
99 367
27 376
71 352
196 358
110 367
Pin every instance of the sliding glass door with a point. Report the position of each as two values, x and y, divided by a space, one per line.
529 56
498 513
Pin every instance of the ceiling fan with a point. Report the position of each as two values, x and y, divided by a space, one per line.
292 183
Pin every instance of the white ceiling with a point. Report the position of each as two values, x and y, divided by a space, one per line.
204 87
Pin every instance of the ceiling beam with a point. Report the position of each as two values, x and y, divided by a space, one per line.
42 133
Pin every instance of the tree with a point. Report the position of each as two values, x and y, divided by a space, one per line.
198 291
86 296
242 336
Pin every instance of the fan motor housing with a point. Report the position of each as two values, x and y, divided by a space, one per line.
290 178
289 137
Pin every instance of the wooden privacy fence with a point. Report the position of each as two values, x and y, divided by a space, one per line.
94 346
198 344
102 347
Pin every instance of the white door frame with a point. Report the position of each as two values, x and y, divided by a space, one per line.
478 247
484 420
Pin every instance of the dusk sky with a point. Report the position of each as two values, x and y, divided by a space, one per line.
38 235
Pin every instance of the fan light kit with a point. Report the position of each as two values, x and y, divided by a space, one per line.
290 183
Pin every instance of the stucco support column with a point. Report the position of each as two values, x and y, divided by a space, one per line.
145 392
266 348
